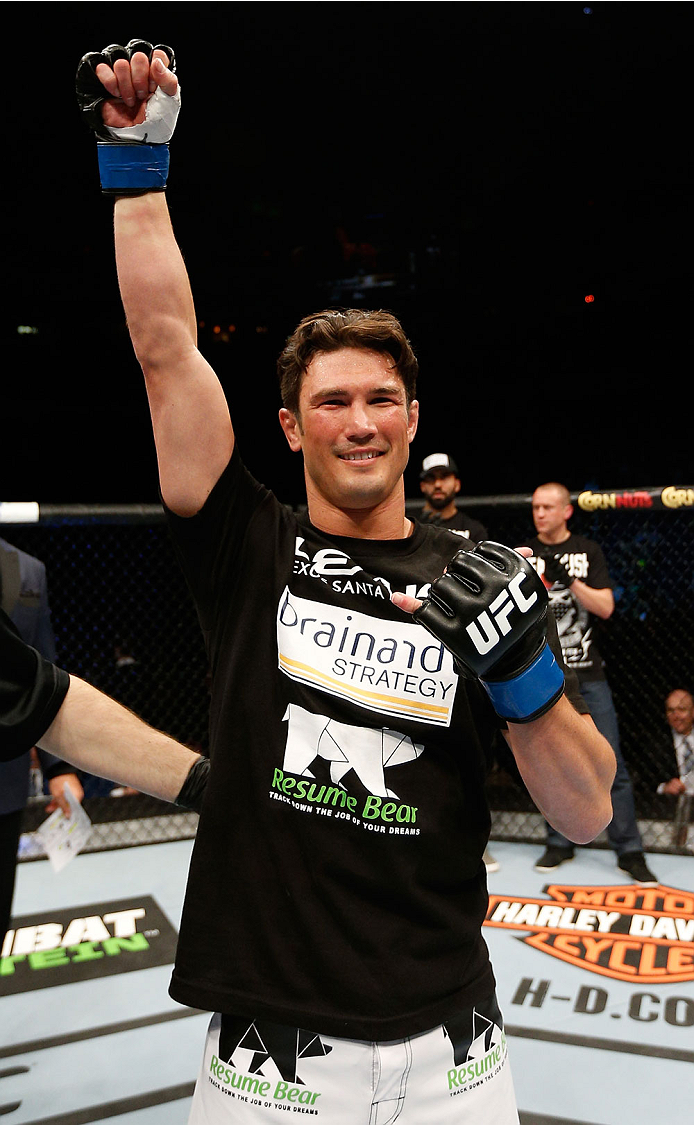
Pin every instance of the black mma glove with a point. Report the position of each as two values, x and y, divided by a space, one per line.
136 158
193 788
490 611
556 571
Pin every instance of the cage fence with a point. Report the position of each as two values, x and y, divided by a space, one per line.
647 536
124 620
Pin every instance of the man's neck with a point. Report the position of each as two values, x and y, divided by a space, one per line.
554 537
386 520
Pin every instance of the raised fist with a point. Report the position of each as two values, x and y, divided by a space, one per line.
490 611
130 97
114 85
556 571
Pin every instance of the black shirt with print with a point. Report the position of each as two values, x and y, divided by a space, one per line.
585 560
461 523
337 880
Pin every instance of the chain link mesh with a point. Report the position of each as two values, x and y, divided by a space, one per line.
124 620
647 646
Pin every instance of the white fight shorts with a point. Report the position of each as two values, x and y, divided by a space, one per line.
254 1071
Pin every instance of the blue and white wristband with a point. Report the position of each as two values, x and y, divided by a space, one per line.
529 695
127 169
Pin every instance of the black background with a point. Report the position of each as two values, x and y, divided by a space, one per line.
497 161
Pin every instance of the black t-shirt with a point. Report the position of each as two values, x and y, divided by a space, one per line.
461 523
31 692
585 560
337 880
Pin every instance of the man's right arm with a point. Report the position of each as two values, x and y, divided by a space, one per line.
190 416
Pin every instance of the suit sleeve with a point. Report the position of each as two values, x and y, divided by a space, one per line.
45 638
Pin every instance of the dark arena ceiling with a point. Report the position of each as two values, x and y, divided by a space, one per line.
479 169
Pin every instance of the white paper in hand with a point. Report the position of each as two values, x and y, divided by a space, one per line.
64 836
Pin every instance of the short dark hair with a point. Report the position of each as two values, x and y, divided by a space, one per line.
332 329
560 488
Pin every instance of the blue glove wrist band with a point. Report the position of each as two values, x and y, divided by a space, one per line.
529 695
126 168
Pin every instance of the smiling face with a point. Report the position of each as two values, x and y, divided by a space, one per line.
354 428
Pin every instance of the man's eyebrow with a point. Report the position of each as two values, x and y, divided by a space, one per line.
336 392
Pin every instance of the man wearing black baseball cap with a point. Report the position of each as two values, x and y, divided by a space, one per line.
440 483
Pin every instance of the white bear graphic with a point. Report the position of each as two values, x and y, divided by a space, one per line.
365 750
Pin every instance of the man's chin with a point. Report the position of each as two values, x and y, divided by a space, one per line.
360 490
361 495
361 499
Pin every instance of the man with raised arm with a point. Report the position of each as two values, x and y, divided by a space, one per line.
337 891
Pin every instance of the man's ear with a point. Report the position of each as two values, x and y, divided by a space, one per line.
412 420
568 512
292 430
457 485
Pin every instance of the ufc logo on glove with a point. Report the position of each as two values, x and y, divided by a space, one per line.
469 608
482 631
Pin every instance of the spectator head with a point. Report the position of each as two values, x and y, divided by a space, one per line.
439 480
552 509
679 711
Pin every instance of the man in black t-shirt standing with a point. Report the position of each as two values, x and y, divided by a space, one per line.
439 481
580 591
337 891
24 597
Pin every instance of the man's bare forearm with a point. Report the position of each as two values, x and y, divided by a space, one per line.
568 768
190 416
599 602
153 281
94 733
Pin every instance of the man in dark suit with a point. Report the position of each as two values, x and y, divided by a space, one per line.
673 762
676 758
24 595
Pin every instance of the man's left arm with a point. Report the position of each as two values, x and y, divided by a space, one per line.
568 769
598 602
595 595
589 763
490 610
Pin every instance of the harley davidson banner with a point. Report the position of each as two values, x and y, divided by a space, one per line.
635 934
